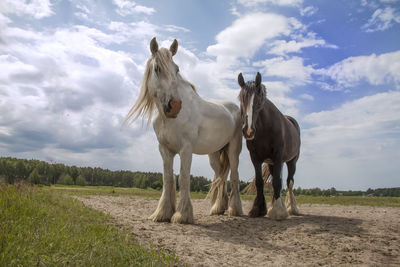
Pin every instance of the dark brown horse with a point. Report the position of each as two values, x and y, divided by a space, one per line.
271 138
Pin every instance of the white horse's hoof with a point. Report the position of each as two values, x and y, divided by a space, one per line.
180 218
220 206
235 205
161 216
291 205
278 211
217 209
235 212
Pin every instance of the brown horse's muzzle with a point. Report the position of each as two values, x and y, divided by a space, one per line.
248 133
173 108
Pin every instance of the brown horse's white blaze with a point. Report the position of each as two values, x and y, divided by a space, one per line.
248 128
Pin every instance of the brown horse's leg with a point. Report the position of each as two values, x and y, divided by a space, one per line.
278 210
259 208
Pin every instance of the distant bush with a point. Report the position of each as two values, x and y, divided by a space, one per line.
80 180
65 179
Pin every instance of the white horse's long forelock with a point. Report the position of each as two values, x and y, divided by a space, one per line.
144 105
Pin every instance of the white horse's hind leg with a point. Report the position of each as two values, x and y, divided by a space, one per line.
184 213
291 204
277 211
235 204
167 203
214 163
218 191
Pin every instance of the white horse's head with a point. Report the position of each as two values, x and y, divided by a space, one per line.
163 79
160 84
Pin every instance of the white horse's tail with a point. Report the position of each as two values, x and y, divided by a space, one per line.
220 181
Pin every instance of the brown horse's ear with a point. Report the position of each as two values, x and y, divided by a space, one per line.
174 47
241 80
258 79
153 46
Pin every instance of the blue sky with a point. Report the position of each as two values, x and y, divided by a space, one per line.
70 71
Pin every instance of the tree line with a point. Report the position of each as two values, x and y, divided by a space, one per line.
380 192
41 172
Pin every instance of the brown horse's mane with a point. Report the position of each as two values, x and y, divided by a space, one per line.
245 94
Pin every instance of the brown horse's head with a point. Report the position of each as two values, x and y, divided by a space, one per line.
251 97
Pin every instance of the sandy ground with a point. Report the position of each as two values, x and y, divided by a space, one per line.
323 235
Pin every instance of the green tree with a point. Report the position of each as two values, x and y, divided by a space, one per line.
34 177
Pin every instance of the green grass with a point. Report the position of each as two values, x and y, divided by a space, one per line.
151 193
43 227
116 191
350 200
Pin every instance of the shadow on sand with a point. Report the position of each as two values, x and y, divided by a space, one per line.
259 232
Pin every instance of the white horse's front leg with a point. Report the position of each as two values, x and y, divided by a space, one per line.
184 213
167 204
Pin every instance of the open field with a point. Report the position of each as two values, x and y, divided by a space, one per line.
323 235
339 200
332 230
50 226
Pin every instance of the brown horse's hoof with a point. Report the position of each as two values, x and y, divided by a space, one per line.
258 212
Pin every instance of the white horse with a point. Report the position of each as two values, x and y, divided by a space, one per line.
187 123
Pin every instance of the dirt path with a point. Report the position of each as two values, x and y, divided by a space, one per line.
324 235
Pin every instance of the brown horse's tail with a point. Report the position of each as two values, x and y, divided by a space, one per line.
220 180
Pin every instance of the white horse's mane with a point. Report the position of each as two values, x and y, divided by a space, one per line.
145 106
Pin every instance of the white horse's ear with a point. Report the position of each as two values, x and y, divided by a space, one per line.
174 47
241 80
153 46
258 79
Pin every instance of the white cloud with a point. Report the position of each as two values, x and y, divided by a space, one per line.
247 34
353 145
382 19
174 28
292 69
375 69
251 3
126 7
282 47
128 32
64 91
308 11
36 8
307 97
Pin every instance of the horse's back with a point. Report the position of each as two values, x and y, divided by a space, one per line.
229 105
292 138
294 122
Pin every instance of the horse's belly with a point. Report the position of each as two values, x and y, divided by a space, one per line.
213 135
209 145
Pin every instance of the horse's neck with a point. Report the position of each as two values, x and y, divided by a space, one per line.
187 92
269 112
